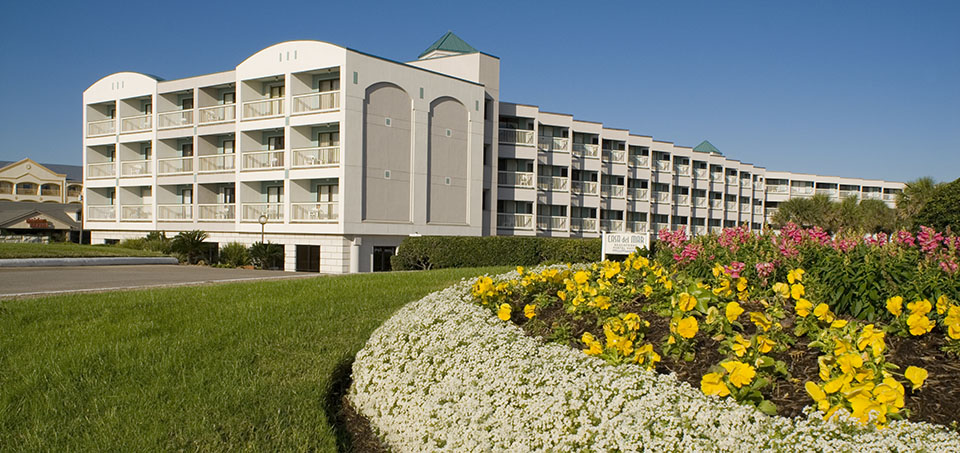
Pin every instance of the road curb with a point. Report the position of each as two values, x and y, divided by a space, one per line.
98 261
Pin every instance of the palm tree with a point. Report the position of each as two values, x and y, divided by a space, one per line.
190 244
911 200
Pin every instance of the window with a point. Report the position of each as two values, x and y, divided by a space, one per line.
186 196
275 194
229 97
147 108
186 150
328 85
276 91
328 139
186 104
275 142
228 195
146 151
228 146
327 193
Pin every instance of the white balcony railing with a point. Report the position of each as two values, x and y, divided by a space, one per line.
102 170
700 173
760 186
758 209
614 155
769 212
322 156
778 188
515 179
584 187
175 165
264 108
554 183
135 168
699 202
101 212
889 197
102 127
515 221
612 191
698 230
552 144
316 102
253 211
746 183
682 169
583 224
221 212
801 190
551 223
218 114
732 180
681 200
731 206
661 197
263 160
849 193
521 137
611 226
175 212
871 195
637 227
136 123
744 208
638 194
828 192
714 229
136 212
178 118
314 212
716 203
217 162
716 176
639 161
661 165
586 150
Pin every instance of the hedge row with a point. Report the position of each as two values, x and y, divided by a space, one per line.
435 252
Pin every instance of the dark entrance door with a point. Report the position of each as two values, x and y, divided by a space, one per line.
308 258
381 258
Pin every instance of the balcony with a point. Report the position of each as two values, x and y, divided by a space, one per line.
661 165
805 191
217 162
586 150
102 170
613 155
101 212
136 168
639 161
552 144
322 156
871 195
849 193
253 211
216 212
681 200
770 212
136 123
515 179
611 226
638 194
175 165
316 102
758 209
832 193
263 160
637 227
661 197
716 203
716 176
746 183
314 212
136 212
552 183
732 180
759 186
584 187
730 206
889 197
174 212
657 227
716 229
700 173
612 191
744 208
582 224
264 108
218 114
682 169
101 128
778 188
515 221
520 137
551 223
178 118
699 202
698 230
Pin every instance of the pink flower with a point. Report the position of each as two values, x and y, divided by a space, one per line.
929 239
734 269
674 238
905 238
689 253
765 269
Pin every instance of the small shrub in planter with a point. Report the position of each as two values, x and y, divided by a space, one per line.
266 255
234 254
190 245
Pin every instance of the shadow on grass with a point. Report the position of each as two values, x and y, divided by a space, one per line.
352 430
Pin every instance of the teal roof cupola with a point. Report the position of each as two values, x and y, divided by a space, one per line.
707 147
448 44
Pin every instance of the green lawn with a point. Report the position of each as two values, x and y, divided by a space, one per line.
246 366
66 250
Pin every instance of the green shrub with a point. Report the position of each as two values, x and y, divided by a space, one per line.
234 254
941 211
266 255
190 245
435 252
155 241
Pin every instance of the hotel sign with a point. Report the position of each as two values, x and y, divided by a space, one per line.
39 223
624 243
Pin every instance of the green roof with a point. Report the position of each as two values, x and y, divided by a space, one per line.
707 147
449 42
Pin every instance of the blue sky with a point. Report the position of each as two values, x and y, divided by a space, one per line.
852 88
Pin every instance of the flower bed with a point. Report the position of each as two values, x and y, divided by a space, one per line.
445 373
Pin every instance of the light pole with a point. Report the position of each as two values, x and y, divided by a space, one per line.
263 222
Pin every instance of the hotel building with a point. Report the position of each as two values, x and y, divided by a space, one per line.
338 155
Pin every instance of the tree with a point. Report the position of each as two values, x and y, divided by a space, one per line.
911 200
807 212
190 245
876 216
942 210
266 255
848 215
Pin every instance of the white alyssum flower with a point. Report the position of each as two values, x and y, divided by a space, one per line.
443 374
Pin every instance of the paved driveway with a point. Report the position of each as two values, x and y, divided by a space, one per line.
37 281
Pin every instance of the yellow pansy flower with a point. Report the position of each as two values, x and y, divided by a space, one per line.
863 405
712 384
803 308
733 311
952 322
839 324
849 362
872 337
740 373
562 295
761 320
765 344
647 290
581 277
782 288
504 312
686 302
841 347
796 291
895 305
740 345
822 312
593 346
611 269
671 340
818 396
688 327
920 307
520 270
717 270
942 304
834 385
530 311
741 284
916 376
795 275
919 324
602 302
